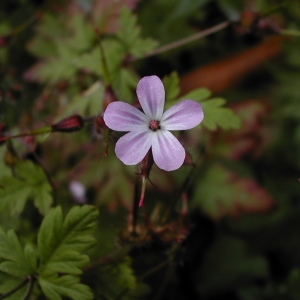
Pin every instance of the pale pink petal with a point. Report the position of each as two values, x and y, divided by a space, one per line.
121 116
168 153
184 115
151 93
133 146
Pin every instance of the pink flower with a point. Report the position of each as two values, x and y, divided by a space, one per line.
151 128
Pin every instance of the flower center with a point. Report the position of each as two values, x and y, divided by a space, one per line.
154 125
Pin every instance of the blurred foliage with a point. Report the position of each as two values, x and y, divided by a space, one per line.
224 226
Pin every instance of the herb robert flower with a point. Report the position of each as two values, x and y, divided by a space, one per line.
150 128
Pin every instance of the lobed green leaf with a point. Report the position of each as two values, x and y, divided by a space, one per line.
234 196
14 260
30 182
55 288
129 35
119 281
215 115
61 241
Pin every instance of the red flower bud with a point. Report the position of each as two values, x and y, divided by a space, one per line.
70 124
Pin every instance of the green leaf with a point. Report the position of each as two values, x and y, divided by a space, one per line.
143 46
92 61
54 70
215 115
61 240
83 34
14 260
171 84
125 83
51 26
42 48
8 283
197 95
235 195
129 35
85 104
118 281
30 182
55 287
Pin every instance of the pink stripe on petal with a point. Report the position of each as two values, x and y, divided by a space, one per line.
151 93
168 153
133 146
182 116
121 116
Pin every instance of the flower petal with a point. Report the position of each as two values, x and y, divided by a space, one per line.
168 153
133 146
121 116
151 93
184 115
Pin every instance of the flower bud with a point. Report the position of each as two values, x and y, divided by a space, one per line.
70 124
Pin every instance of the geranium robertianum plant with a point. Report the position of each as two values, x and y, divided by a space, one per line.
45 250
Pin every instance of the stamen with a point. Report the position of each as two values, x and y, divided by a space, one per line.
154 125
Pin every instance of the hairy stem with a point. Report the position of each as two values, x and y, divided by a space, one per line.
103 60
187 40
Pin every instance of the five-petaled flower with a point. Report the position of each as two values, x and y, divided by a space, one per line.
151 128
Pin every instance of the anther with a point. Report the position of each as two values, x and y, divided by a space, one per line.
154 125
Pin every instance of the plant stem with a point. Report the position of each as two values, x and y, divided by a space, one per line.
103 60
29 288
135 206
186 40
154 269
43 130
